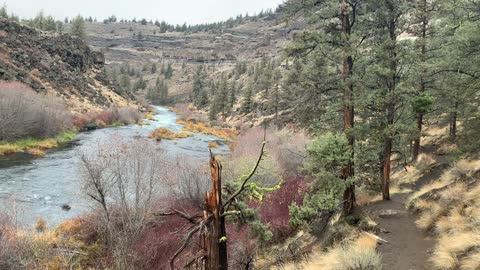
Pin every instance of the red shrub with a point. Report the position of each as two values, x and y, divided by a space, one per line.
106 117
274 208
80 121
159 242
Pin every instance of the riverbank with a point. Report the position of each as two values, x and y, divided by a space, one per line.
107 119
196 121
36 147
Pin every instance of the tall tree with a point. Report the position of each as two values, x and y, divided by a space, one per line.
331 42
386 71
422 29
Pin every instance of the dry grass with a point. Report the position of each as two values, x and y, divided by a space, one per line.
205 128
357 254
36 152
34 146
471 262
149 116
366 199
212 145
7 149
453 213
166 134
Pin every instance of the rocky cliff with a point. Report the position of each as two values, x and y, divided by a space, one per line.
56 63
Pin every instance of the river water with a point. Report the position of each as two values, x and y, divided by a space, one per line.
31 188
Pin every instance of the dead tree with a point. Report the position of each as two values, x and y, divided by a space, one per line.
211 226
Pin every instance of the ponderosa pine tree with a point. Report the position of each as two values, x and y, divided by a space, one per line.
422 29
330 44
459 73
385 71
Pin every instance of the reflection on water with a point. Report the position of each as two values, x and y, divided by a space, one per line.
39 187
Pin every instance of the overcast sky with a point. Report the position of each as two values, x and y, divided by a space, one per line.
172 11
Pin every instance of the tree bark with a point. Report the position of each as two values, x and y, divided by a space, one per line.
386 170
423 57
390 109
214 238
416 142
348 108
453 121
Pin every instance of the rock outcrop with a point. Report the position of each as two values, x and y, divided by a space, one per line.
56 63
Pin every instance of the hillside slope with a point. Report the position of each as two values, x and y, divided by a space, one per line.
58 64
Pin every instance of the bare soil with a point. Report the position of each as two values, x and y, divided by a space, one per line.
406 247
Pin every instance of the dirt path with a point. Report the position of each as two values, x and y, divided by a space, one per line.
407 247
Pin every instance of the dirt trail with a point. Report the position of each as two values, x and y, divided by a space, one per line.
407 247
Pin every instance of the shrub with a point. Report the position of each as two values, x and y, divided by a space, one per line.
327 155
189 180
124 180
110 117
162 134
287 148
274 209
212 144
25 113
355 258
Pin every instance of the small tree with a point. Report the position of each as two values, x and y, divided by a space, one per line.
169 71
78 27
124 180
153 70
327 155
3 12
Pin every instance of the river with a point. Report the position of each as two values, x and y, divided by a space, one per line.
31 188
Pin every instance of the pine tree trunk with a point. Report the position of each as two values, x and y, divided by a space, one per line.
416 143
386 169
390 109
348 110
423 56
453 122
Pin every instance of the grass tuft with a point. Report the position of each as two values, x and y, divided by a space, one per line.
36 147
166 134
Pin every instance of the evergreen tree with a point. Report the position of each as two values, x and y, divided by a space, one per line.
153 69
78 27
232 99
169 71
60 27
125 83
423 30
3 12
333 37
159 93
200 98
388 84
247 101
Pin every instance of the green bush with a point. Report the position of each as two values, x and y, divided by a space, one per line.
327 155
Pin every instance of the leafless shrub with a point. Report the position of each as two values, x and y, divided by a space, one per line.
187 112
190 180
285 154
8 249
126 115
125 181
24 113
